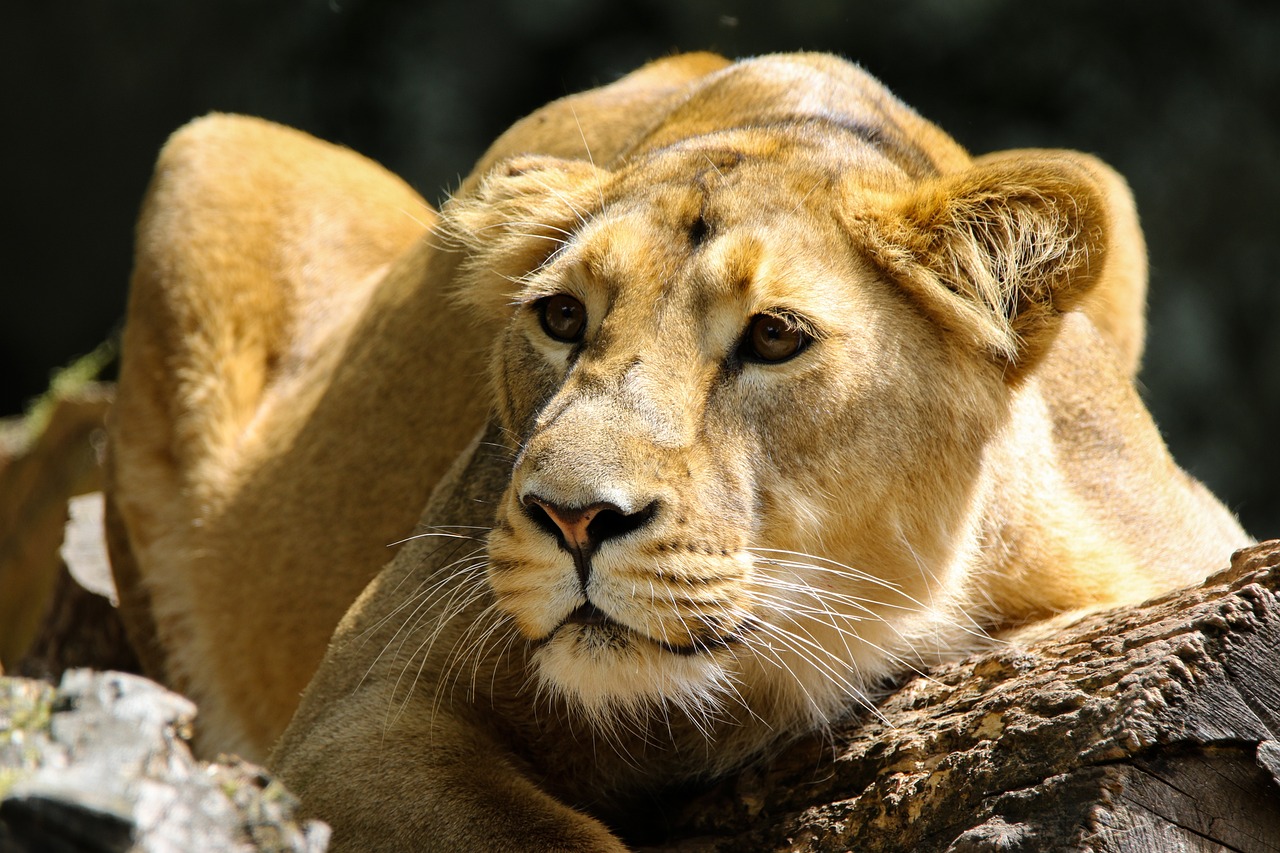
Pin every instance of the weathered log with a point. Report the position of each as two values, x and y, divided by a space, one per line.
1150 728
81 626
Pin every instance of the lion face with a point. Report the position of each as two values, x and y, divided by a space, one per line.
719 381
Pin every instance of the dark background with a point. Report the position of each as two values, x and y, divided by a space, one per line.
1182 97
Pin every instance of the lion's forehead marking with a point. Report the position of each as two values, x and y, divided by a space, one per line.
696 300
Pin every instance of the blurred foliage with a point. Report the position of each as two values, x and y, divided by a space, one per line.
1180 96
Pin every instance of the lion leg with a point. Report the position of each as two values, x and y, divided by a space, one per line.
428 781
391 745
267 267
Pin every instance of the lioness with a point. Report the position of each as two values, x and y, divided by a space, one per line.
756 389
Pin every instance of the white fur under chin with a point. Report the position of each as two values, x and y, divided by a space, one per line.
790 680
606 675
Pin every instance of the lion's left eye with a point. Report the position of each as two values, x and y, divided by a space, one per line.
772 338
563 317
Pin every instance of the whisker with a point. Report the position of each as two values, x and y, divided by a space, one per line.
823 564
587 147
459 600
466 563
846 634
440 533
806 650
837 569
423 602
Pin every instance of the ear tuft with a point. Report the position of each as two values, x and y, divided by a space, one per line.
997 253
514 218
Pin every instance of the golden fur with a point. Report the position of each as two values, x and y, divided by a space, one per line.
788 393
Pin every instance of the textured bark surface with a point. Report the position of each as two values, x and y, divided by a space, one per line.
1151 728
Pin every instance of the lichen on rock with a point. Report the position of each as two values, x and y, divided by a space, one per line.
103 762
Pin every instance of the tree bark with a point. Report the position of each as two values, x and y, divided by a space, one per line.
1150 728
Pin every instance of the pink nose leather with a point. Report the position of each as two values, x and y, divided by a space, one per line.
573 522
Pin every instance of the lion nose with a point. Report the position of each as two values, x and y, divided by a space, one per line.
581 530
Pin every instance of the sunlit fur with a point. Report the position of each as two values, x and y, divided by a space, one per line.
808 457
955 454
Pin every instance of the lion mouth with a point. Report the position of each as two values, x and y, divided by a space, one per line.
600 627
589 614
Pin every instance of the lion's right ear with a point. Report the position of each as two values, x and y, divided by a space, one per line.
996 253
514 218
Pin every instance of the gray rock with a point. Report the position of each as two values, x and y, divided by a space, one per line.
102 763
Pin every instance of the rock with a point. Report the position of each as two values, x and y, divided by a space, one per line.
103 763
84 547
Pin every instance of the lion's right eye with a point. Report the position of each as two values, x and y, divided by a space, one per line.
563 317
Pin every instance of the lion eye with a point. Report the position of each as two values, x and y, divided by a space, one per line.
563 317
771 338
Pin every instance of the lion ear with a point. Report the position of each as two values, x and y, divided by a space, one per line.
997 253
514 217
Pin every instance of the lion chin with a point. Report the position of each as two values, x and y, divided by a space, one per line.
610 673
732 391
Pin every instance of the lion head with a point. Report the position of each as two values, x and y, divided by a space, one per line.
747 376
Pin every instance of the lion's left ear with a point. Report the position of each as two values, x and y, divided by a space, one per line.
998 252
